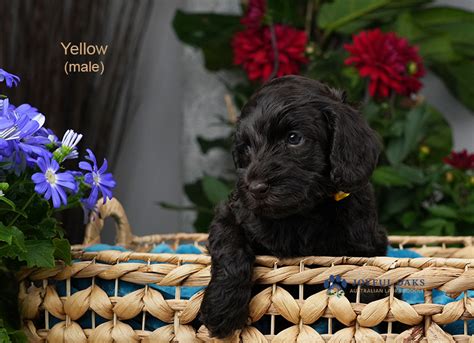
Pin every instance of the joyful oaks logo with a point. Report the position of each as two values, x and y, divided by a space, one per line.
335 285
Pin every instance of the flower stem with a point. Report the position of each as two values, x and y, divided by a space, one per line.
392 104
366 94
23 209
275 52
71 204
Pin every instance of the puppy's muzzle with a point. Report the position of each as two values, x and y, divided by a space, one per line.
258 189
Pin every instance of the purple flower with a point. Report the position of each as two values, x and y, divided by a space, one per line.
20 140
10 79
98 179
51 183
68 149
18 122
53 140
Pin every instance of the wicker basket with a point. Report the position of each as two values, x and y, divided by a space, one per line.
452 272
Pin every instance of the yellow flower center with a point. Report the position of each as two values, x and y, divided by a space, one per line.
96 178
449 177
425 150
50 177
412 68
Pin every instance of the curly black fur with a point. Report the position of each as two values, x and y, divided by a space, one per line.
283 203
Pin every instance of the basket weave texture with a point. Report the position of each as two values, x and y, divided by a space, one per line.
451 271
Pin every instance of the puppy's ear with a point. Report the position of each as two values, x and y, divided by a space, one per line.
235 153
355 148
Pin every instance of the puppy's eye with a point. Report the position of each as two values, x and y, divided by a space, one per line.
294 138
246 149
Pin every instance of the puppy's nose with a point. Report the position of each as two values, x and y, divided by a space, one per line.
258 189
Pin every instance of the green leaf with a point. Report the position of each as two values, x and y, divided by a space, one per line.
399 148
389 176
438 16
203 221
415 119
434 222
438 49
407 219
7 201
445 36
394 202
459 78
6 234
448 21
371 111
406 26
194 191
48 228
210 32
413 174
467 213
438 136
439 226
395 150
443 211
4 336
287 12
334 15
436 31
18 336
62 250
215 190
40 253
12 236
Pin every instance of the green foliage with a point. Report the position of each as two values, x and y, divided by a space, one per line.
205 194
335 15
286 12
416 192
445 36
211 33
215 190
29 235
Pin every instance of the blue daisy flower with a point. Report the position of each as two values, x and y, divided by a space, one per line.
98 179
18 122
52 184
10 79
68 149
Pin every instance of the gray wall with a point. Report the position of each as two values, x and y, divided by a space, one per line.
180 101
149 166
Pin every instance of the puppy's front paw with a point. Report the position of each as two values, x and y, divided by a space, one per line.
223 311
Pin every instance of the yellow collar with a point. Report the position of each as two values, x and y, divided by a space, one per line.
341 195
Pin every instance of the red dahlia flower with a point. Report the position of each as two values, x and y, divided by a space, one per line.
253 51
254 14
460 160
389 61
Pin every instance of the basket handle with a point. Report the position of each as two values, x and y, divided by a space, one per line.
112 208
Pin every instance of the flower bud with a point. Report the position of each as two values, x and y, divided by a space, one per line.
425 150
4 186
449 177
412 68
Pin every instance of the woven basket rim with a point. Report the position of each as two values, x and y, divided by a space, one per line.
115 256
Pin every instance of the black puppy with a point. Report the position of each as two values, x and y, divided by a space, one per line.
298 146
